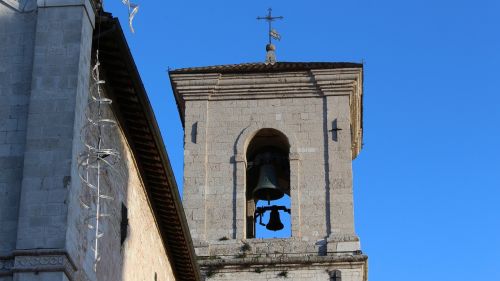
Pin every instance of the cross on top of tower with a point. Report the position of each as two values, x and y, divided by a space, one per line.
273 34
269 18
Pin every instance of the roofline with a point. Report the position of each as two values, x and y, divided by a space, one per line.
178 100
137 98
248 68
260 67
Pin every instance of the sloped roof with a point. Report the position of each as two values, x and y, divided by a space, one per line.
136 118
263 67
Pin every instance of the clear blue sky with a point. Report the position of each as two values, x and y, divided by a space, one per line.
427 183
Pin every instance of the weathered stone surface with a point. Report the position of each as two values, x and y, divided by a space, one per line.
224 111
142 255
17 33
45 61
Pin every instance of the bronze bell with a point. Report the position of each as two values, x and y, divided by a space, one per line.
274 223
267 186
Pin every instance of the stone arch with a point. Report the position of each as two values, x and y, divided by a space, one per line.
249 132
240 148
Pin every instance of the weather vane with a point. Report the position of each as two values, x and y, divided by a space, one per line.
273 34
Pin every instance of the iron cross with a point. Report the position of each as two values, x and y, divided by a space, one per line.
335 130
269 18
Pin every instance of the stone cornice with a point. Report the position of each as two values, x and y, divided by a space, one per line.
38 260
305 261
312 83
6 265
335 82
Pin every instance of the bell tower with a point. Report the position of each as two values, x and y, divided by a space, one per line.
268 148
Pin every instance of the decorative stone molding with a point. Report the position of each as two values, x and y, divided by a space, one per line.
345 82
339 243
297 261
313 83
343 238
195 87
40 260
6 264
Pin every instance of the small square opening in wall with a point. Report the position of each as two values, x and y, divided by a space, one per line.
123 224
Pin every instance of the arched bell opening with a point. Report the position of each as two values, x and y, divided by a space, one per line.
268 185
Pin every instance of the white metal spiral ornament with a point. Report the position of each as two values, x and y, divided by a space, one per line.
132 10
97 157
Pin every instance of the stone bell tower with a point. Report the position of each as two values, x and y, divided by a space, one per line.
258 132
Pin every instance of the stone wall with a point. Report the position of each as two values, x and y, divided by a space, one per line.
219 125
42 57
16 60
142 256
222 112
45 58
226 120
295 272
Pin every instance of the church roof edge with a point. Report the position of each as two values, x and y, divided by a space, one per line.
136 117
263 67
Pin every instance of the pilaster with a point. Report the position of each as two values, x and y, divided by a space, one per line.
17 32
295 194
240 209
195 168
341 216
61 69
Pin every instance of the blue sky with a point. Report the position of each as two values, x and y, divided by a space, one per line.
427 183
